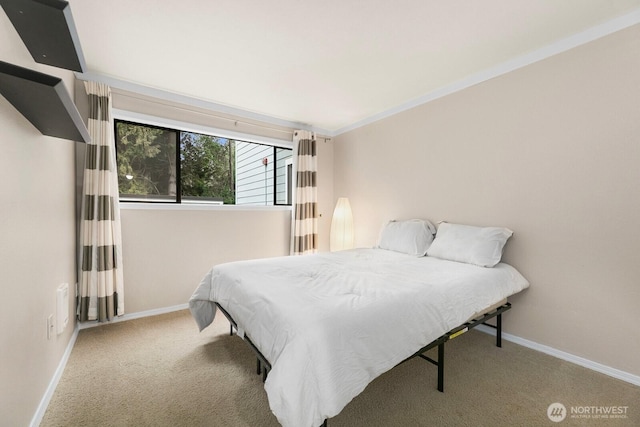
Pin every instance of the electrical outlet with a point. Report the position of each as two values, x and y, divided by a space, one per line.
49 326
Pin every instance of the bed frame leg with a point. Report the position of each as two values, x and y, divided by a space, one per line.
499 330
261 369
441 367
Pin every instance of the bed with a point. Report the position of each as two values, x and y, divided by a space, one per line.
325 325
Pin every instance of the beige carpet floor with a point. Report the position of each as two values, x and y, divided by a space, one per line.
160 371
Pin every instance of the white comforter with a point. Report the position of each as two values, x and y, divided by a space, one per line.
331 323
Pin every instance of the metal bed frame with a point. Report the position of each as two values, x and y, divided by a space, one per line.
263 366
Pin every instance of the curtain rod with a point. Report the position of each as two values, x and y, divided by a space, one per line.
211 114
204 113
160 94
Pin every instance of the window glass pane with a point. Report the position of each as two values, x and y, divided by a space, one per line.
284 167
212 169
207 168
146 162
263 174
254 171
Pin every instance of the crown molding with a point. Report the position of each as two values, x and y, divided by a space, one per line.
195 102
584 37
568 43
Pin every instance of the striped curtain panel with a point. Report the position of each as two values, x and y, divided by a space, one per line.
304 236
100 276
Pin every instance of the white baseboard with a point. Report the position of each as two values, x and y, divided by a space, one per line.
42 407
48 394
607 370
138 315
580 361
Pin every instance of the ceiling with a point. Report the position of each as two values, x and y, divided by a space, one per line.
330 64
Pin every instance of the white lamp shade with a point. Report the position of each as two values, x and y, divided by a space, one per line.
341 226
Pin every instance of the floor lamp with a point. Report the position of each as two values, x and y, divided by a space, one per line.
341 226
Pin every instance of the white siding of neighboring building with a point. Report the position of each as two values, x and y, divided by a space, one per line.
254 178
283 162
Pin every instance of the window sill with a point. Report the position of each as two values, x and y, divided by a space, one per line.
199 207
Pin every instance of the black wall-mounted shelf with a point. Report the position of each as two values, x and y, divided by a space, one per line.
47 29
44 101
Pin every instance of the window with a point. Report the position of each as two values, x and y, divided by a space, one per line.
157 164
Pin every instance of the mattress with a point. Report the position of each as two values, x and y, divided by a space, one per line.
489 309
331 323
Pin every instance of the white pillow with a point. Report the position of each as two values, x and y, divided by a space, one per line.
412 237
473 245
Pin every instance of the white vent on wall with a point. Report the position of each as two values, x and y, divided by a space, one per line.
62 307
